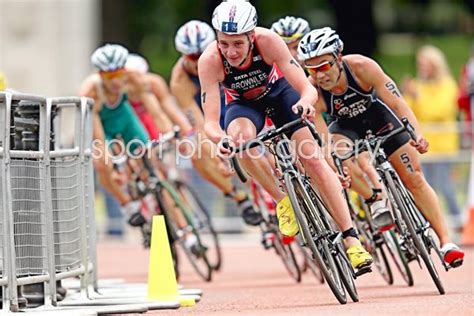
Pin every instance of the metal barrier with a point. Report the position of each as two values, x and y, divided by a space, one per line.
46 223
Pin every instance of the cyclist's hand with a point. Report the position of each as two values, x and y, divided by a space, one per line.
119 177
214 132
223 150
345 179
308 110
421 144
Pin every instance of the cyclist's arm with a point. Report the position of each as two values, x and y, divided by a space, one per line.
369 72
162 93
210 73
320 123
151 104
275 50
184 91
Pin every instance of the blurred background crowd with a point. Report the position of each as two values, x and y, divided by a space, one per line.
427 46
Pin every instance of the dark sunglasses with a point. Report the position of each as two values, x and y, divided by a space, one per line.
323 67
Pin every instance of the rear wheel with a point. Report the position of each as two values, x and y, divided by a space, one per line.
287 255
380 260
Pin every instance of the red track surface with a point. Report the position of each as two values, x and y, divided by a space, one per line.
254 282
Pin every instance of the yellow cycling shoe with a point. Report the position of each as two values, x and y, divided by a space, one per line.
359 257
286 218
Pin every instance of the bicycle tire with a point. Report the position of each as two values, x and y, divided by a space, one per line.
381 262
205 226
367 238
346 270
395 251
319 248
342 261
287 255
405 206
199 263
312 265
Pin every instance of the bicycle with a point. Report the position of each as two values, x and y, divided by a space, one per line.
159 196
318 233
194 202
375 241
412 227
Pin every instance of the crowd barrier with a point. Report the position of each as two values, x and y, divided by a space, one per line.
46 196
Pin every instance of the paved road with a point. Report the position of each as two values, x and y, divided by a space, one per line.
254 282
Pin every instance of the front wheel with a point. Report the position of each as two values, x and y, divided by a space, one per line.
395 251
203 223
408 211
182 226
306 214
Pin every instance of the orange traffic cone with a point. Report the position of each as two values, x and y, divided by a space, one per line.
468 231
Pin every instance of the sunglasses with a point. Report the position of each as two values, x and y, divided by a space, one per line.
110 75
323 67
193 57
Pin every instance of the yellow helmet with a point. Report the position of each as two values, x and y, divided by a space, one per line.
3 82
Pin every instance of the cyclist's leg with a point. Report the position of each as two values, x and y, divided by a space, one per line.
330 187
207 163
105 173
407 164
341 145
242 124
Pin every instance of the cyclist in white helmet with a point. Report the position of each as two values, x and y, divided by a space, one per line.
291 29
113 116
258 72
191 40
357 92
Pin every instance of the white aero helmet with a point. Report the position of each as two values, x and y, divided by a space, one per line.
234 17
137 63
290 28
109 57
319 42
193 37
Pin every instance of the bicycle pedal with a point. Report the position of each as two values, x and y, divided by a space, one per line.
363 270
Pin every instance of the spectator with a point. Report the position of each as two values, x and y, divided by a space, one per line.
466 99
433 97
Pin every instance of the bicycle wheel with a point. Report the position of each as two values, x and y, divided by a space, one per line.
312 229
203 223
287 256
381 262
395 251
408 209
373 244
346 271
309 263
344 266
197 254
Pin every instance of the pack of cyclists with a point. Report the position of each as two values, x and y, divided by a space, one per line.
228 80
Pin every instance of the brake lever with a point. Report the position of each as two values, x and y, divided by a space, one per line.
409 128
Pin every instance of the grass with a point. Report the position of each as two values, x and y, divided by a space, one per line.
397 52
